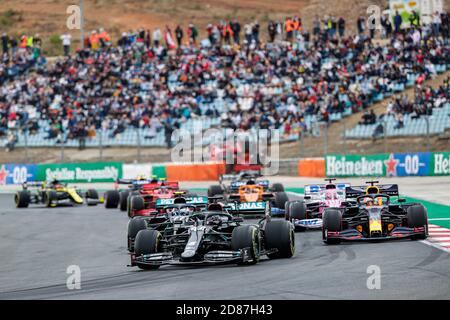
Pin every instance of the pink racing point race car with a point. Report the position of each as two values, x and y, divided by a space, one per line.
307 213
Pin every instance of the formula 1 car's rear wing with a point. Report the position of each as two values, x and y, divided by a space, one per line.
314 189
387 189
234 186
197 201
148 183
259 207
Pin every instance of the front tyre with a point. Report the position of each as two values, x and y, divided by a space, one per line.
22 199
331 221
417 217
244 237
279 234
147 242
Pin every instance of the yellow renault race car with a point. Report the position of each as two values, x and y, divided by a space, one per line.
54 193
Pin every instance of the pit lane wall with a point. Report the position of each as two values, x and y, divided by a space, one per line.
333 165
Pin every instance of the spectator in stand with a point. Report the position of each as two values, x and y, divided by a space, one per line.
361 25
414 19
378 132
341 27
437 21
236 28
192 33
157 37
179 35
398 20
5 43
66 40
272 30
316 26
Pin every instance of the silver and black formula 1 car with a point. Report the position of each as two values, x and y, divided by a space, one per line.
54 193
213 236
374 216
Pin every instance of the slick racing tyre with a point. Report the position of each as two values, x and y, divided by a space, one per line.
246 237
277 187
287 212
50 197
136 204
297 211
22 199
279 235
280 199
417 217
112 198
215 191
92 194
123 200
332 221
134 226
147 242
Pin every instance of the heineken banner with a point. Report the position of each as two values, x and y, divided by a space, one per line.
388 165
80 172
440 164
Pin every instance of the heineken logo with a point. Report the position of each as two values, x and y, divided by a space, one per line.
340 166
441 164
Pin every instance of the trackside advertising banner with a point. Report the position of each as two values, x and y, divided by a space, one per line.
81 172
17 173
440 164
388 165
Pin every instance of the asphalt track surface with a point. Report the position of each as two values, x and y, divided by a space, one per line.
38 244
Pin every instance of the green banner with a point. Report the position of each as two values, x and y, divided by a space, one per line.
356 165
440 164
80 172
159 171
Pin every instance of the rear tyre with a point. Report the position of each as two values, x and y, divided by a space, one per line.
147 242
134 226
123 200
215 190
277 187
279 235
331 221
246 237
22 199
136 204
287 212
417 217
112 198
298 212
50 197
280 200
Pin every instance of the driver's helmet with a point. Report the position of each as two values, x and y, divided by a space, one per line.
368 201
140 177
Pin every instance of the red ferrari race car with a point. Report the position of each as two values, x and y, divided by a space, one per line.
121 197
